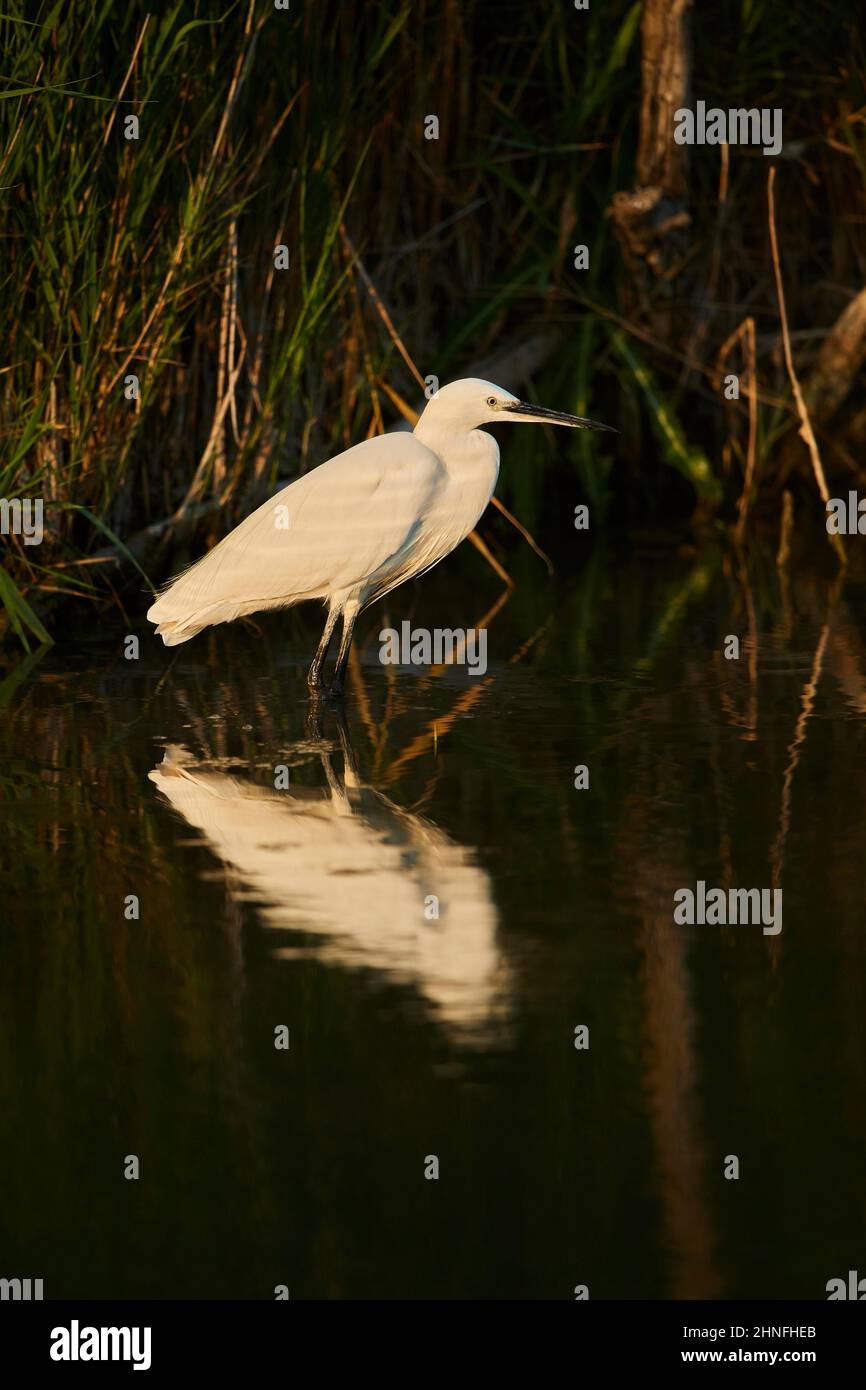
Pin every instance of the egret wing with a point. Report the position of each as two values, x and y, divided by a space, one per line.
329 531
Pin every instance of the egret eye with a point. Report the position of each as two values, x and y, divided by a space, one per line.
491 401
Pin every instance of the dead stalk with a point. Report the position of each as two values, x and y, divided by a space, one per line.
806 431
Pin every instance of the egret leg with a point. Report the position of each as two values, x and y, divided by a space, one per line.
314 675
350 613
315 716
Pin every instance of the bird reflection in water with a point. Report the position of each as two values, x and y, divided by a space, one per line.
365 876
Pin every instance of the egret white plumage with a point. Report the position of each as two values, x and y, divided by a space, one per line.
354 528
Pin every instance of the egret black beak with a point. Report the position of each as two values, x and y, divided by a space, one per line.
555 417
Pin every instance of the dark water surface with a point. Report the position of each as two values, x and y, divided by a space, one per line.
453 1037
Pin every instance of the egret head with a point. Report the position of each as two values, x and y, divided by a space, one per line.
466 404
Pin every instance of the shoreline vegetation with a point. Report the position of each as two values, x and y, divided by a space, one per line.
164 370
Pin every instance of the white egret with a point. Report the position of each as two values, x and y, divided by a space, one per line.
354 528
